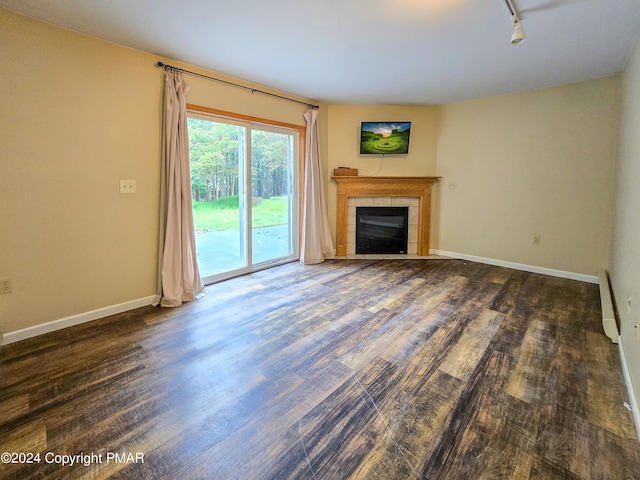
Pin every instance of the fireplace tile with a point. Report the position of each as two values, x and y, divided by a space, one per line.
364 201
381 201
351 215
401 201
412 236
413 216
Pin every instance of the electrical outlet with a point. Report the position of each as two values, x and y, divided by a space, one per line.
127 186
536 239
453 185
6 286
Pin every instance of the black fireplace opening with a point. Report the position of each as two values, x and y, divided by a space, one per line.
382 229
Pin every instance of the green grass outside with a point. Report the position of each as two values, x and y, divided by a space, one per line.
224 214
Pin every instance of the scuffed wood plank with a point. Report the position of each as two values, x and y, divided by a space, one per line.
28 438
432 369
622 458
401 350
567 382
14 407
606 391
561 441
463 358
528 380
491 435
419 417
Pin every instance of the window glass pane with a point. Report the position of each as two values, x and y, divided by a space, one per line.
216 155
271 181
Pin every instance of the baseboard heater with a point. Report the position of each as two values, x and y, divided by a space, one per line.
608 315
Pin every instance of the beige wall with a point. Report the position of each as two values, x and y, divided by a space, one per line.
533 163
625 269
343 145
78 115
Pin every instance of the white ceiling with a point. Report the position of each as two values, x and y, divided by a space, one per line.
368 51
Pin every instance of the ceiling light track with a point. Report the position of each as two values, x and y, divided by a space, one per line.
518 32
252 90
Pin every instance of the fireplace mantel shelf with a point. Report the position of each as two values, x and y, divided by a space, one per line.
384 187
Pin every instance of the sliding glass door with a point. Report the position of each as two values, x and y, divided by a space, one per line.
272 159
244 200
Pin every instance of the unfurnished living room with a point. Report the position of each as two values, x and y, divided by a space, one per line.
320 240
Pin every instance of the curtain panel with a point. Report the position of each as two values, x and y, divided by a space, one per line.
178 275
316 244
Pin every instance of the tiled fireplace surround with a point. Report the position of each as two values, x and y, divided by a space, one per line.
411 202
356 191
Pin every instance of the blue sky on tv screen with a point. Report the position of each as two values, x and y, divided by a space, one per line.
385 127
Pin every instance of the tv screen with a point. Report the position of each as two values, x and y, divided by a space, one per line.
384 138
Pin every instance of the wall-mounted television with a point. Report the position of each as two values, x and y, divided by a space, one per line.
384 138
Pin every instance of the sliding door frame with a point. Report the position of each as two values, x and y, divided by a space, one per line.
257 121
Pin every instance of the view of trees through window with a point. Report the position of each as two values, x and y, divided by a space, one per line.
213 155
213 150
218 162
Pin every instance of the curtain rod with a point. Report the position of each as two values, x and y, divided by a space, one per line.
253 90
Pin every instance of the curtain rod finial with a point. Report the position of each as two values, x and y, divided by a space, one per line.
160 64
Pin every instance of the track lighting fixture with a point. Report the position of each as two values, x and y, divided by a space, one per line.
518 32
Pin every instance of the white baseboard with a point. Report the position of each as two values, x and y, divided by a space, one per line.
633 400
520 266
54 325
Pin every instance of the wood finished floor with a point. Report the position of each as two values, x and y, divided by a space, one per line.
436 369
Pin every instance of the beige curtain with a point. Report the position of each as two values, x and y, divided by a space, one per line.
178 275
316 244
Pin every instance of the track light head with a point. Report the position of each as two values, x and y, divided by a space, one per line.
518 31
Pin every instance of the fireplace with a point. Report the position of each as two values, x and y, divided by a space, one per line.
382 230
414 189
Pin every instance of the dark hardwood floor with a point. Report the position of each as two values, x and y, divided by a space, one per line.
436 369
